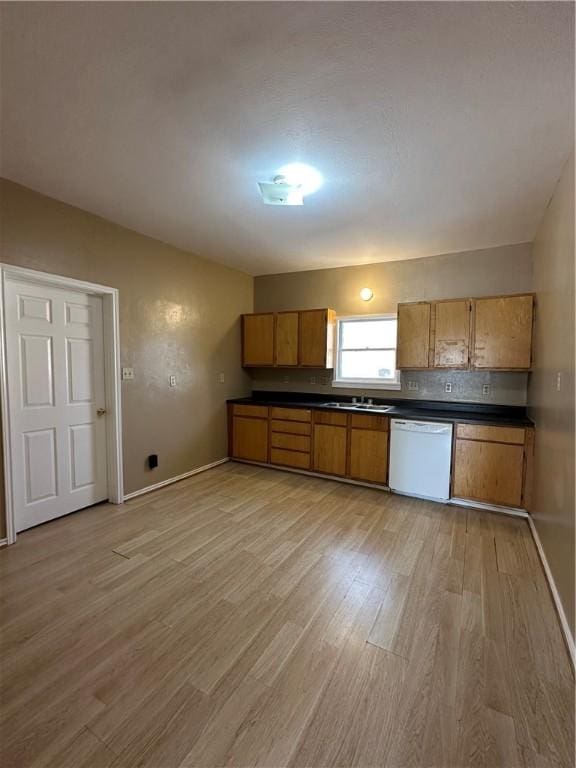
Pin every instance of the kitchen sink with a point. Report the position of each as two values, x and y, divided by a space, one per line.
359 406
372 407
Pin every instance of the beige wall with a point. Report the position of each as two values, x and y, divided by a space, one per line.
553 409
179 314
507 269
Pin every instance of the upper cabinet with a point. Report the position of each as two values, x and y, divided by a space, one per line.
287 335
258 339
491 334
413 346
317 338
503 333
451 334
289 339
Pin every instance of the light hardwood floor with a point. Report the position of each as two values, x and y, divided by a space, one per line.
250 617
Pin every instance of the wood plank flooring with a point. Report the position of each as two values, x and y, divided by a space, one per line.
251 617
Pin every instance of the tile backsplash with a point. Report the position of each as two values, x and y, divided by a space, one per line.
488 387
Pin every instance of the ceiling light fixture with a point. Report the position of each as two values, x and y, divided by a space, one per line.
366 294
304 176
291 184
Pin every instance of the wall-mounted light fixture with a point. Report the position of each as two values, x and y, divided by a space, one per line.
366 294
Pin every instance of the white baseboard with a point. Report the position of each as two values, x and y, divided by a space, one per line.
555 595
171 480
3 542
514 511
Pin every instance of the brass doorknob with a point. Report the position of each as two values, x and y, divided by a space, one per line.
101 411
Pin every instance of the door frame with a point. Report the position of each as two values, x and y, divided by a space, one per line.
112 380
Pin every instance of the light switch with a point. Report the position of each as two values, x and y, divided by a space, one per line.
127 373
559 381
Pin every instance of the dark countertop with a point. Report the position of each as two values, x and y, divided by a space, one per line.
421 410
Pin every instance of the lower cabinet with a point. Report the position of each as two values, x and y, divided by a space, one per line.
250 433
369 455
489 464
290 430
330 442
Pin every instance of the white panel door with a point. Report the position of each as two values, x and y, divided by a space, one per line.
55 361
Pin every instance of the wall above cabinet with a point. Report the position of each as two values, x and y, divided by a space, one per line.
493 333
297 339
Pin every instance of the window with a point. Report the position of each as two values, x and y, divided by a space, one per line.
366 352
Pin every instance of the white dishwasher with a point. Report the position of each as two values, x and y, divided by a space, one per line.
420 454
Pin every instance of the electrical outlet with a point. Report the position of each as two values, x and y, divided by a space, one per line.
221 378
127 373
312 379
448 386
286 379
559 381
413 386
485 389
172 381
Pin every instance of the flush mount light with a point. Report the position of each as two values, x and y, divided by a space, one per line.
280 192
304 176
291 184
366 294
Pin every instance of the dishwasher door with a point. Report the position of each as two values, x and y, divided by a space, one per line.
420 456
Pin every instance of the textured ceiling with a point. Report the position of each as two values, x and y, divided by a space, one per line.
439 127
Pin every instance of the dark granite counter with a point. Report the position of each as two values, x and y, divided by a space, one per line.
420 410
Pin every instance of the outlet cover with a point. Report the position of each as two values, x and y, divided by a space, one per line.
413 386
485 389
127 373
448 386
172 381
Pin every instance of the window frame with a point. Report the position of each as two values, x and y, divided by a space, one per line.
393 383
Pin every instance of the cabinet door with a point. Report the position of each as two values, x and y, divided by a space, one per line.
287 338
503 332
330 449
413 335
488 472
258 339
250 438
451 334
368 455
315 339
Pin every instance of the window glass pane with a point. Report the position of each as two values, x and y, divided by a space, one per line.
368 365
359 334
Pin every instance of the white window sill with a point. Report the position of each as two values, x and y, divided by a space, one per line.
343 384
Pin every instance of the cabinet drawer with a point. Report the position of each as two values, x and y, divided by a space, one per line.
514 435
369 421
290 458
256 411
291 414
291 427
291 442
333 419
